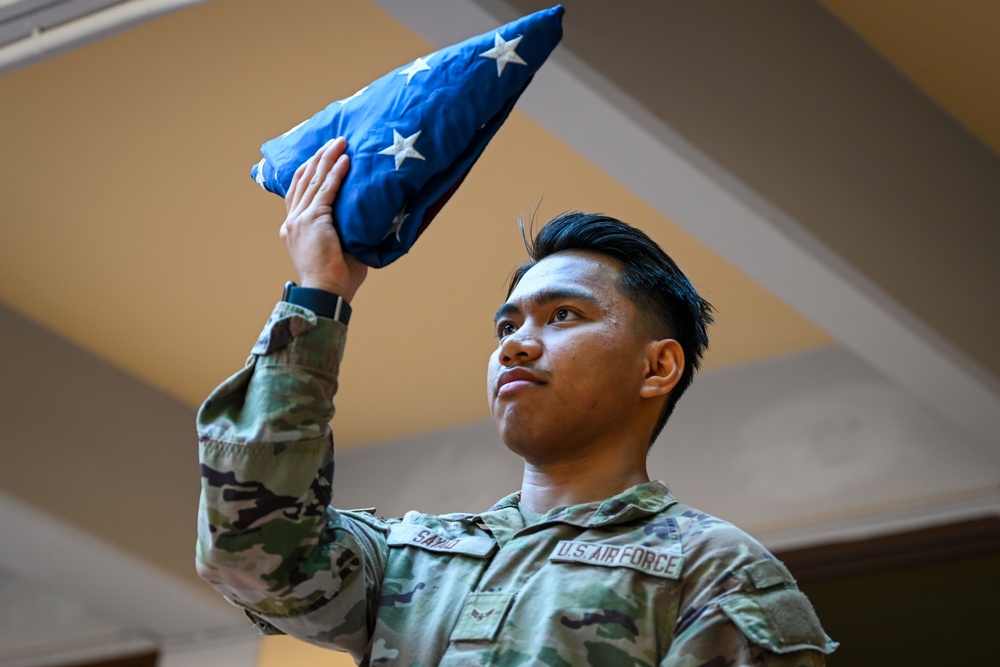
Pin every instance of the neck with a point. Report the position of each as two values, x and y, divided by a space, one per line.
573 482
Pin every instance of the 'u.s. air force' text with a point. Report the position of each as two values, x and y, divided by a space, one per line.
657 562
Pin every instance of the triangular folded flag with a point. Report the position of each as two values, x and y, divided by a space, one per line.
415 133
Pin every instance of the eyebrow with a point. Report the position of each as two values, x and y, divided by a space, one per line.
544 297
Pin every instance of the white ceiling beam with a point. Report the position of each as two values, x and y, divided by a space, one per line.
55 28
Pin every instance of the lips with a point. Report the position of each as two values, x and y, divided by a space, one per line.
515 379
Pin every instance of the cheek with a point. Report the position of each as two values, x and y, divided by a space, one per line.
492 368
607 366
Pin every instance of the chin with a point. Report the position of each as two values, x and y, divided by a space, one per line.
524 442
513 438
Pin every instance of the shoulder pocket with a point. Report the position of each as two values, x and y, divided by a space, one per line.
774 614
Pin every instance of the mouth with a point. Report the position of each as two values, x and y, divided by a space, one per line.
517 379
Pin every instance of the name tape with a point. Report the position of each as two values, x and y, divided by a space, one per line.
425 538
655 562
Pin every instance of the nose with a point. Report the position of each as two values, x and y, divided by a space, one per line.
520 347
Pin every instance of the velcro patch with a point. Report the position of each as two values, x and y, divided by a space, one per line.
425 538
767 573
667 564
780 619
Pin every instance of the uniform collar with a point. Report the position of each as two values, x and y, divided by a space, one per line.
633 503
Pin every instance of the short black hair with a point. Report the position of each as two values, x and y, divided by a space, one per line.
648 276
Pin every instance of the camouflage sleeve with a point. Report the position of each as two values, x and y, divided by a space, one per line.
740 607
267 538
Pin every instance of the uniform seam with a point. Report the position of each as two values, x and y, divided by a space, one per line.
255 448
294 364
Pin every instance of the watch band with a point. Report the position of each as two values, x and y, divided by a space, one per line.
321 302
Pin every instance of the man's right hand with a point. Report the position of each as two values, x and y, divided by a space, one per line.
308 230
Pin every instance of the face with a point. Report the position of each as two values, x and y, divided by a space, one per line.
570 359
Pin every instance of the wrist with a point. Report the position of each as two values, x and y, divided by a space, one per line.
340 288
323 302
328 286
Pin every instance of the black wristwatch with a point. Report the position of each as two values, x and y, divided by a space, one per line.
321 302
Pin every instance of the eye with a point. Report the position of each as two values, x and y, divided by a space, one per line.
505 329
563 315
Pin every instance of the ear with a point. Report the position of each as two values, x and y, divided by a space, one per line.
665 365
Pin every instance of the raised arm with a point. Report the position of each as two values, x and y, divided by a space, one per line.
267 538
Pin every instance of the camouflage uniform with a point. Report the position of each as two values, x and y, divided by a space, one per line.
638 579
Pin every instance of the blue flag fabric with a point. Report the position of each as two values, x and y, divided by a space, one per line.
414 134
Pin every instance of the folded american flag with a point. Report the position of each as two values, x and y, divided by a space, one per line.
414 134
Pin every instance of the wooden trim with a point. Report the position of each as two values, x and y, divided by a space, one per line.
140 660
890 552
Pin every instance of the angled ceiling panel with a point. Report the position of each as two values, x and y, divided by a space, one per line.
32 30
23 18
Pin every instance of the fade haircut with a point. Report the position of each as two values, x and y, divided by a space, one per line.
667 302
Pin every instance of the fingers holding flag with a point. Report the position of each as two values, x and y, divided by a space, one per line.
308 230
316 172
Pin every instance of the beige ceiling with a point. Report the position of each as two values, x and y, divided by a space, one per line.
132 228
949 50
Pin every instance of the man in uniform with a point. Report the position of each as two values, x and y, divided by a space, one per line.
591 563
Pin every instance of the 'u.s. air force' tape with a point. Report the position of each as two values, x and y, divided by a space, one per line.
664 563
415 133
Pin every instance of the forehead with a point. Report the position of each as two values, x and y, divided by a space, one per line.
592 272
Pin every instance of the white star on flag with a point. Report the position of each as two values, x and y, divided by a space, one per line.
503 52
402 147
418 65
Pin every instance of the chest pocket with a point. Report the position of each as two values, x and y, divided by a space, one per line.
429 572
